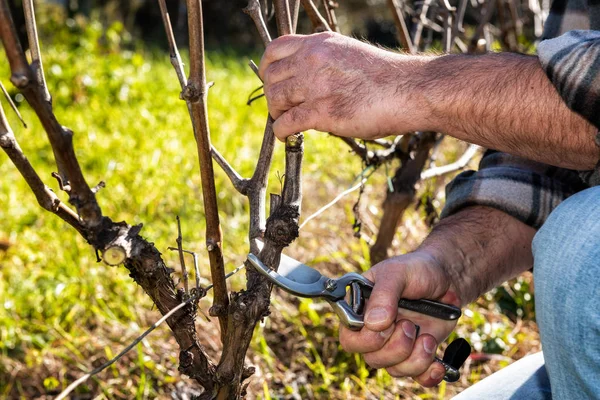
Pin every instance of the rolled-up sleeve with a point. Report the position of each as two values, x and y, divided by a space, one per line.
525 189
572 63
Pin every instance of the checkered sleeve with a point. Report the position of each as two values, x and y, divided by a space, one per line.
572 63
525 189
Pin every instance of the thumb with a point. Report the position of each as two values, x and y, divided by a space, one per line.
382 306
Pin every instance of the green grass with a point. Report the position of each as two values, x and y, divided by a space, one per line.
62 313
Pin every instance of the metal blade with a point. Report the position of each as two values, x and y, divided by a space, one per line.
313 289
294 270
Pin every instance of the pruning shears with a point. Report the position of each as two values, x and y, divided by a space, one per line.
347 296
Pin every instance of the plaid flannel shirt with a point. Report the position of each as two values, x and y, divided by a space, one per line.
528 190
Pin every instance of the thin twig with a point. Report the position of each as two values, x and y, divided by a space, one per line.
403 35
294 12
196 267
254 11
377 157
239 183
60 137
34 47
195 255
173 50
101 368
184 272
197 271
236 179
448 35
319 23
328 5
45 197
459 164
422 20
12 105
332 203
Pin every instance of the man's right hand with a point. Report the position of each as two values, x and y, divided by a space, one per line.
465 255
390 338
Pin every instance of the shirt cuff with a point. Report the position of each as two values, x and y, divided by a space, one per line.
524 189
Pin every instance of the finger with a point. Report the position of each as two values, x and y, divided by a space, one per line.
364 341
433 376
279 71
296 119
278 49
398 348
419 360
382 306
282 96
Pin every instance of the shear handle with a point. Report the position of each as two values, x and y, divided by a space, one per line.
423 306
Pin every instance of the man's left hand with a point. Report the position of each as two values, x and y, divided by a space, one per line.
337 84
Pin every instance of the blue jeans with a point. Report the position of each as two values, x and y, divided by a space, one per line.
566 251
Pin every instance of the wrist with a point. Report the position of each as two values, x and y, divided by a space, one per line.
412 108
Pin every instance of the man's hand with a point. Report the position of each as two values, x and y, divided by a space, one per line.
465 255
390 338
504 101
335 84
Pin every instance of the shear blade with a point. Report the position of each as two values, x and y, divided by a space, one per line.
294 270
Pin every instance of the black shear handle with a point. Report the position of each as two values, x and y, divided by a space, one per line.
423 306
431 308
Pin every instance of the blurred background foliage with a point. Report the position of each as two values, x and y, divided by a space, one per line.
62 313
226 26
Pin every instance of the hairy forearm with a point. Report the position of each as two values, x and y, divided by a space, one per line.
479 248
505 102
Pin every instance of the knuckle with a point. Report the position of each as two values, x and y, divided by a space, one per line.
276 94
269 92
272 71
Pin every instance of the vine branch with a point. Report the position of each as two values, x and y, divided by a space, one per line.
196 93
60 137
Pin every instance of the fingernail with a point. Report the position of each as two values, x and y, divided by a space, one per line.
409 329
429 344
388 332
437 374
376 316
